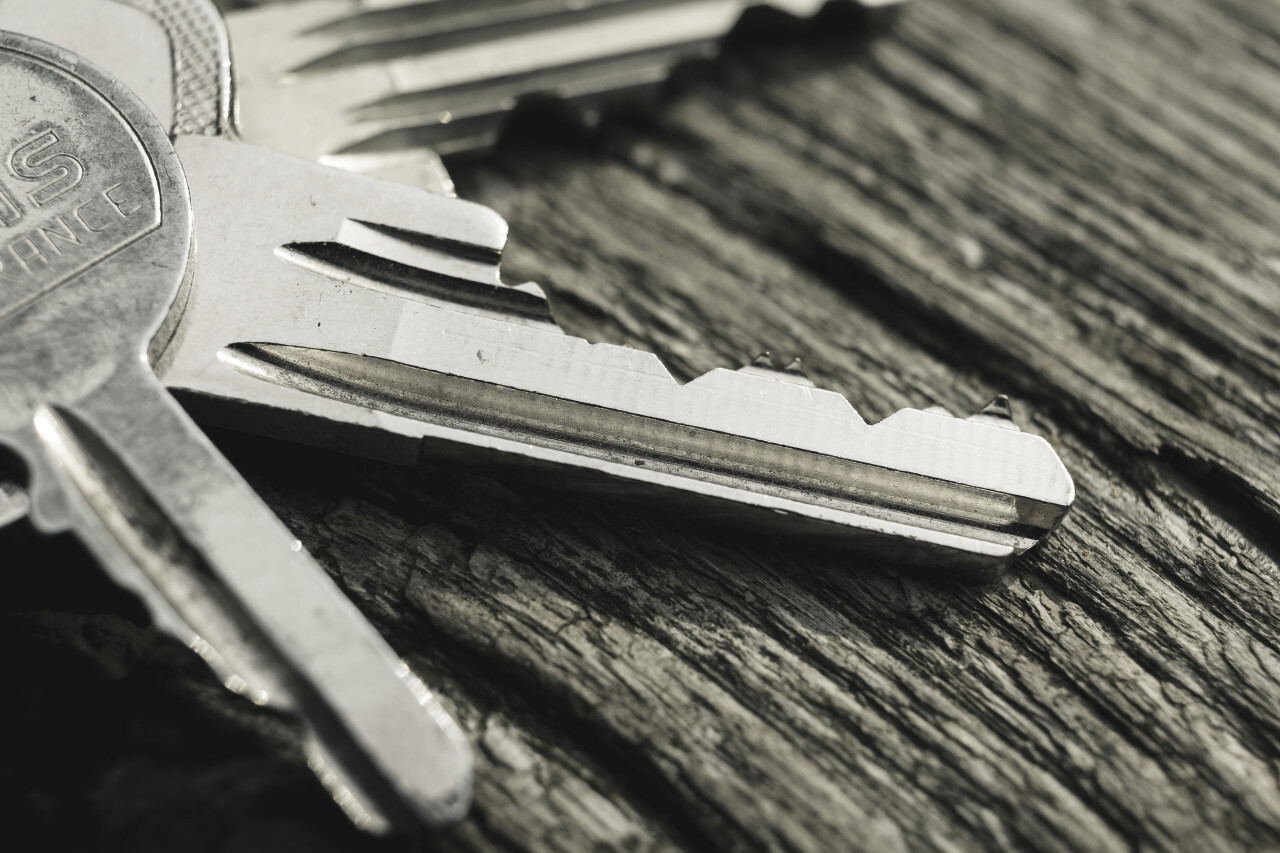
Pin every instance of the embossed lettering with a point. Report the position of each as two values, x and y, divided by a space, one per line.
49 233
56 238
77 183
59 235
32 255
118 205
77 213
36 160
9 212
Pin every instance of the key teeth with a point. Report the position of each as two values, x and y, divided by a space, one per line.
763 365
1000 407
795 373
999 412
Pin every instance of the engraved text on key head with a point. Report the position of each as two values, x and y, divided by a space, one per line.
73 189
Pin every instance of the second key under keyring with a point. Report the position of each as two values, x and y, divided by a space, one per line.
98 236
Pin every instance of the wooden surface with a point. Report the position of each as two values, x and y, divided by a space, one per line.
1073 201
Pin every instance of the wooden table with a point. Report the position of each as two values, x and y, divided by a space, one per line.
1073 201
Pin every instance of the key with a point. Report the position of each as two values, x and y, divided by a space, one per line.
368 316
372 317
384 86
96 233
172 54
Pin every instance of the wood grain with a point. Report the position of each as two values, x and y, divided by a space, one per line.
1072 202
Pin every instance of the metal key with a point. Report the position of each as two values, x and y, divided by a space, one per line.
372 317
96 231
398 339
384 86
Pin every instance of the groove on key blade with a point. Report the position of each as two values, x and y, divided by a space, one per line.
422 267
373 363
684 450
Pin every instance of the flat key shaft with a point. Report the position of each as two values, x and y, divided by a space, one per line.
157 504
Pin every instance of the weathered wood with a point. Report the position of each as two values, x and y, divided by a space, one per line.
1073 202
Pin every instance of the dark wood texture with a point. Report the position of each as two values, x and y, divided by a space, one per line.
1073 201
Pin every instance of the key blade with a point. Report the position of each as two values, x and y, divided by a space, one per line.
902 490
209 558
359 84
364 361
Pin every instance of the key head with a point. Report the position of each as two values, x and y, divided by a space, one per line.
95 232
95 225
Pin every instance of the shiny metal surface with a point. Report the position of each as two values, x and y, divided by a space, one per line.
337 310
377 86
332 308
399 338
173 54
95 266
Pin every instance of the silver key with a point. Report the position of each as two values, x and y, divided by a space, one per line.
96 232
383 86
372 317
